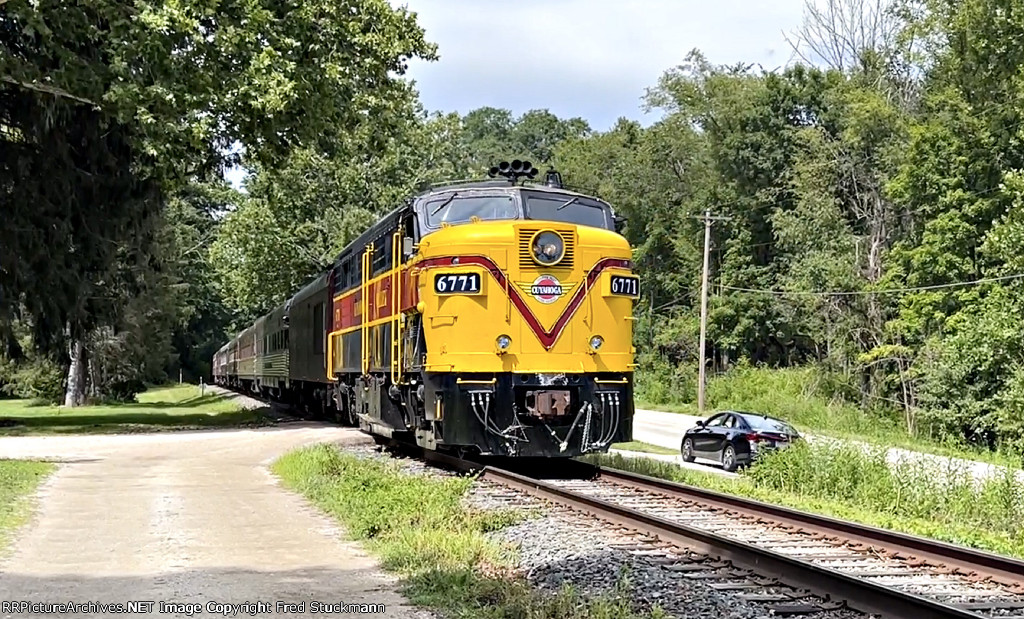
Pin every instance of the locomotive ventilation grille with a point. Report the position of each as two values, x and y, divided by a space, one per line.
526 252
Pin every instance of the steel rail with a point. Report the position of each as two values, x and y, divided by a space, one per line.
1006 570
860 594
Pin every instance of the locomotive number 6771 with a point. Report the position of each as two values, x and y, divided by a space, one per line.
490 317
457 283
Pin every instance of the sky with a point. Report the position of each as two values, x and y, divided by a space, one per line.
587 58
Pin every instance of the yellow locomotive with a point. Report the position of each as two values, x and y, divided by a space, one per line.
484 318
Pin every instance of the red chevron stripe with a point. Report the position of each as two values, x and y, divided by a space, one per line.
547 338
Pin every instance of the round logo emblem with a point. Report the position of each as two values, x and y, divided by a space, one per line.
546 288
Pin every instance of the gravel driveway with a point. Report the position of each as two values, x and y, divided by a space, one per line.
183 517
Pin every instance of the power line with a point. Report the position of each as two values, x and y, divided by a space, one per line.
810 293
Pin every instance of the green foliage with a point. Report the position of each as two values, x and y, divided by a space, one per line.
295 220
664 382
196 77
34 378
858 199
970 377
297 216
27 373
938 499
841 187
945 493
491 135
418 527
107 109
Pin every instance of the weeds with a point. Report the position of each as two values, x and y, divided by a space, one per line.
419 528
18 479
938 499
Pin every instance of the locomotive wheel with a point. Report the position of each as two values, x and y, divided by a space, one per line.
345 414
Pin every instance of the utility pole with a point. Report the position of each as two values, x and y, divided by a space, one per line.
702 379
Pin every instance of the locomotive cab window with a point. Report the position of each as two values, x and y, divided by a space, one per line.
568 209
381 255
344 279
352 273
458 209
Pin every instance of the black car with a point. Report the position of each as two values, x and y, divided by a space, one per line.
736 438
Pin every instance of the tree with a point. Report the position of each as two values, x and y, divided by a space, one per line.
491 135
846 35
107 106
299 215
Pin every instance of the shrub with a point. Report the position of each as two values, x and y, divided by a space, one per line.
33 378
661 382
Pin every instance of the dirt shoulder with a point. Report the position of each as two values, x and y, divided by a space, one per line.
185 517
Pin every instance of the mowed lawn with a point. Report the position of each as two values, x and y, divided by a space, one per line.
18 480
177 407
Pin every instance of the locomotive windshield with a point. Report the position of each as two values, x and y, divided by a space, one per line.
568 209
457 209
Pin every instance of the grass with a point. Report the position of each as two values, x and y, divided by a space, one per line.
792 394
18 480
846 482
418 528
643 447
177 407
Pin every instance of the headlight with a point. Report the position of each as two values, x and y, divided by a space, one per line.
548 248
503 342
596 342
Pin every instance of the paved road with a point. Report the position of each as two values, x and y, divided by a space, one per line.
662 429
666 430
189 517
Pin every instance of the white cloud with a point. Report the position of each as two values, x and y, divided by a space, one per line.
585 58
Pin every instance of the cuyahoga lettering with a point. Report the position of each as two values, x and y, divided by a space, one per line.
546 290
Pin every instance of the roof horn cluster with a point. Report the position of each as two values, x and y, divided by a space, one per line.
514 171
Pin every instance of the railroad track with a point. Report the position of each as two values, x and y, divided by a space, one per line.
796 563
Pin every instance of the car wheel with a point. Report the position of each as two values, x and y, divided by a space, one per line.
687 450
729 458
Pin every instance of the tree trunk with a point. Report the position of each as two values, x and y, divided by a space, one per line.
75 395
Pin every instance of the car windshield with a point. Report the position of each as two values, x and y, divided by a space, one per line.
767 424
457 209
568 209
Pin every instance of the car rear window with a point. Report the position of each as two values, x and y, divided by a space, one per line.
767 424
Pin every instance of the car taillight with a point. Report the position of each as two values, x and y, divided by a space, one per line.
753 437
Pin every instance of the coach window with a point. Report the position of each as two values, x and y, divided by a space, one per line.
457 209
